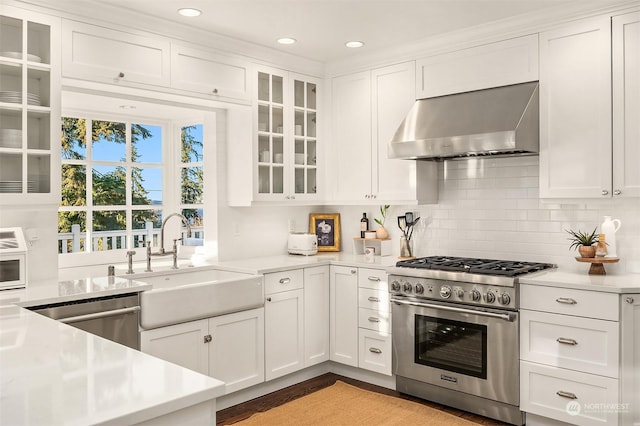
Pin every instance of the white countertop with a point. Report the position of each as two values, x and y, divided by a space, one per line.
55 374
619 283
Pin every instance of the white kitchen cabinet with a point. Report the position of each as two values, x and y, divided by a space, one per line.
316 315
630 358
94 53
578 158
496 64
344 315
29 107
284 323
228 347
368 107
209 73
626 104
374 351
285 158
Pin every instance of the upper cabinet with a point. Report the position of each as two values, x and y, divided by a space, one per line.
208 73
286 136
109 56
29 107
491 65
577 152
367 109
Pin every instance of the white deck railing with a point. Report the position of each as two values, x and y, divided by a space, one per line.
75 241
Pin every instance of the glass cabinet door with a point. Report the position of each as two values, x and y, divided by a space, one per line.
271 176
304 132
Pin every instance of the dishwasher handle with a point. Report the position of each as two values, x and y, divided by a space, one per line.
97 315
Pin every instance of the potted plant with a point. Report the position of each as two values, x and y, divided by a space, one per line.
381 232
584 242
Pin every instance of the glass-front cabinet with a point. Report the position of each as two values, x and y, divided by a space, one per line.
286 148
29 106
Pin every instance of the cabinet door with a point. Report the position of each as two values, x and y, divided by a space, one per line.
208 73
183 344
626 105
630 357
316 315
393 95
375 351
496 64
236 351
284 333
575 110
351 154
343 320
99 54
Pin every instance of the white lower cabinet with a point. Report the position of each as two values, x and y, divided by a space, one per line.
284 323
316 315
374 325
374 351
229 347
579 356
343 320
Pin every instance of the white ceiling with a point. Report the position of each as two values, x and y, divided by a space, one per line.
323 26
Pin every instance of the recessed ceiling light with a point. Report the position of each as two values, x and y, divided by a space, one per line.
189 12
287 40
354 44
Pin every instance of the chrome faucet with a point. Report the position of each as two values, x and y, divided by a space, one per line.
162 251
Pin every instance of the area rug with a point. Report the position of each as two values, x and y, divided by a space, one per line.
343 404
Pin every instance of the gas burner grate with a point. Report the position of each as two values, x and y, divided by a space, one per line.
476 266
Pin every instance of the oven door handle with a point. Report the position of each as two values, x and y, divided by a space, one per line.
506 317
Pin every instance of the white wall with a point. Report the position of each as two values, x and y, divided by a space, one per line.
490 208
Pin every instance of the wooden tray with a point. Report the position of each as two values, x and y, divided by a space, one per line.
597 263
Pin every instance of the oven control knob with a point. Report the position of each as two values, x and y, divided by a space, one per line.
460 293
475 295
490 297
419 288
505 299
445 292
395 286
407 287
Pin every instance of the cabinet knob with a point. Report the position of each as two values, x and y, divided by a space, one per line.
629 300
214 91
121 75
353 272
366 196
617 192
605 192
268 299
374 196
208 338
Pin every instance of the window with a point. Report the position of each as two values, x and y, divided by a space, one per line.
119 178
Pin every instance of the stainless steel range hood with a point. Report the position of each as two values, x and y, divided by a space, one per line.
501 121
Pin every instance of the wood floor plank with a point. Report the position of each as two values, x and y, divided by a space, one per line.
247 409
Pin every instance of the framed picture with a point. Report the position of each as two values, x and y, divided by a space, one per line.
327 227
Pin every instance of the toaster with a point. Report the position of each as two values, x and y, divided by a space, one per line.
302 243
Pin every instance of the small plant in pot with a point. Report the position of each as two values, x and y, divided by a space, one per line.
381 232
584 242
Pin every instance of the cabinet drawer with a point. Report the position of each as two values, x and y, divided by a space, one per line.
374 351
377 300
570 396
374 320
590 304
576 343
283 281
373 278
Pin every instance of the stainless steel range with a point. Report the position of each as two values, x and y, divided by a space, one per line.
455 332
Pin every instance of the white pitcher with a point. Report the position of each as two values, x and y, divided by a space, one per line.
609 228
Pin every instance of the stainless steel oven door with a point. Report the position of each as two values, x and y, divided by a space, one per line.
468 349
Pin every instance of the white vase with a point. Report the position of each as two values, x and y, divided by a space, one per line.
609 228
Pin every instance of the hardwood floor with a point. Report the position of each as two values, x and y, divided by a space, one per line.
242 411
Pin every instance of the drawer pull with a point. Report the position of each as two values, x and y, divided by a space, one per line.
374 319
565 341
567 395
629 300
375 350
566 301
373 299
376 279
285 280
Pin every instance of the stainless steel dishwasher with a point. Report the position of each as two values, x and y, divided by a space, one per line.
114 317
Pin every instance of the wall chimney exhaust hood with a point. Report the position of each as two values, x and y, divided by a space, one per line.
501 121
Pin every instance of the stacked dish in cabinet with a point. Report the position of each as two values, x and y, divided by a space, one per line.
25 104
